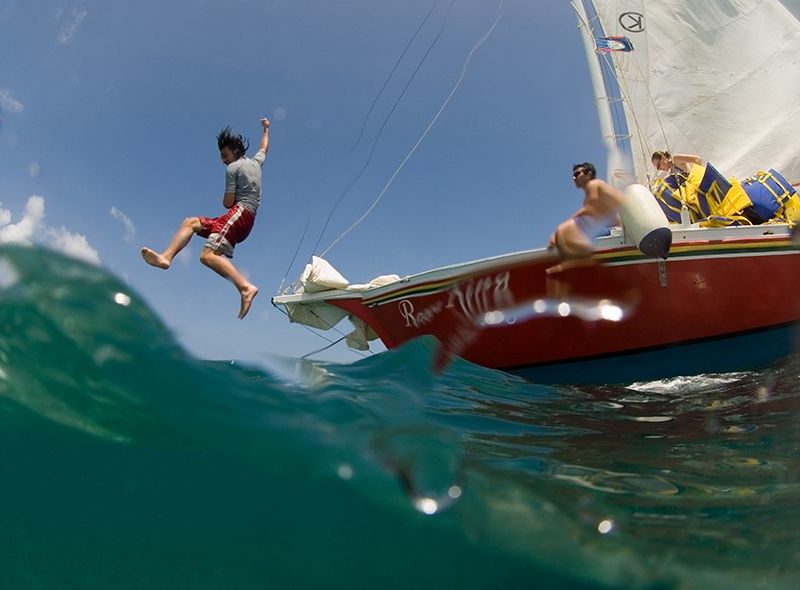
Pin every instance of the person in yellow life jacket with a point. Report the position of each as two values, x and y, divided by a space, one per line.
670 176
710 198
666 164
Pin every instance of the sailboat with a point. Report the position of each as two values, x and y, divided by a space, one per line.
713 77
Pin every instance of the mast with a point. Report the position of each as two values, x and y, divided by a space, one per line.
608 97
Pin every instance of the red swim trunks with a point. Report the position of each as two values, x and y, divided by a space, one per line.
226 231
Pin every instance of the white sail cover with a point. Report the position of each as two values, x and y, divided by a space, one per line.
716 78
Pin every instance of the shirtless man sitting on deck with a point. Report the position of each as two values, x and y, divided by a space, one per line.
574 237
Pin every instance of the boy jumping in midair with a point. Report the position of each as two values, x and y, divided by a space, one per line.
242 197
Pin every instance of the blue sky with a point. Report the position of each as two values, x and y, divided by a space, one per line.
109 111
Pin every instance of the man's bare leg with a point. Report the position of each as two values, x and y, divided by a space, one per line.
573 246
163 260
224 267
572 263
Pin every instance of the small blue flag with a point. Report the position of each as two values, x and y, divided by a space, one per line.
614 43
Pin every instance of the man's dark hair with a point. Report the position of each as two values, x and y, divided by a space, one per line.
236 143
589 167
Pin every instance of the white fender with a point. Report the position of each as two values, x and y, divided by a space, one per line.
644 222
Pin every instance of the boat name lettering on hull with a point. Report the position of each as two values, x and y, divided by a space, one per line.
482 295
472 298
418 319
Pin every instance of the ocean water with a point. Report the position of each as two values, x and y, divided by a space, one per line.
127 463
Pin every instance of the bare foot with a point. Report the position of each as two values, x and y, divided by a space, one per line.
248 294
571 263
153 258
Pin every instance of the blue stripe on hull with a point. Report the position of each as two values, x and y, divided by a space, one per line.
741 352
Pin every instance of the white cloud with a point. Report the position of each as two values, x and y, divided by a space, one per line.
71 244
71 24
130 229
31 229
22 231
8 103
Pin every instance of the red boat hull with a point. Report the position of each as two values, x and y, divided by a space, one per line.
707 291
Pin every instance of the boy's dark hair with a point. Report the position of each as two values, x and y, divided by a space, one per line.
236 143
589 166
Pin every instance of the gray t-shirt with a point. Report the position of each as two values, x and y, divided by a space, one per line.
243 178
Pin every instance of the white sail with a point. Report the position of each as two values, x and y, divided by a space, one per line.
715 78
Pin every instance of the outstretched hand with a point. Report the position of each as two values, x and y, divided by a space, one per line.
264 145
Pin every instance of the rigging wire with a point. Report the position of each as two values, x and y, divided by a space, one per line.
642 139
464 68
297 250
332 342
389 77
360 173
355 179
323 349
625 97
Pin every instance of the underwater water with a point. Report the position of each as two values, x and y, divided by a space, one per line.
127 464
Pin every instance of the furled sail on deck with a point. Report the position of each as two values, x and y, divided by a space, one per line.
716 78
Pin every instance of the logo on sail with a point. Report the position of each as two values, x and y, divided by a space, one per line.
632 21
613 43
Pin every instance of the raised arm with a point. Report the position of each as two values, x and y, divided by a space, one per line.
683 159
264 146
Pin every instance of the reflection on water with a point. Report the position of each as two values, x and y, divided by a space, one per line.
701 468
588 310
465 330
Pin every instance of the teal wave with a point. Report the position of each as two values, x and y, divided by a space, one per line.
129 464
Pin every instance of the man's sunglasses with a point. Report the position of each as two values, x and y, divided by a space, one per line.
577 173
